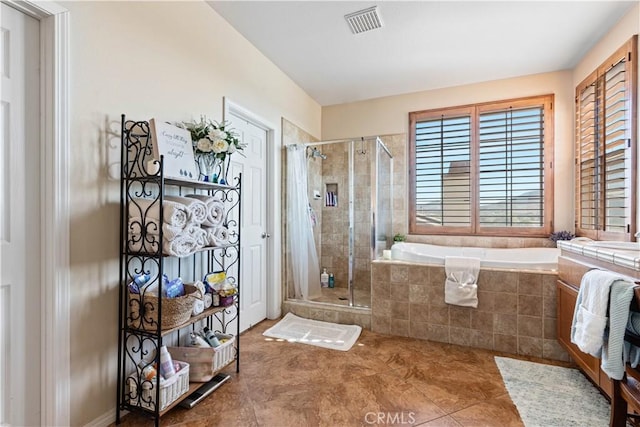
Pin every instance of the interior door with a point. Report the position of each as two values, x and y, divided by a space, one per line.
253 228
19 219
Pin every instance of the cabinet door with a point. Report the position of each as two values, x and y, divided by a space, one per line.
567 296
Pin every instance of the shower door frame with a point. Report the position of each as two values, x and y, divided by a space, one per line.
379 145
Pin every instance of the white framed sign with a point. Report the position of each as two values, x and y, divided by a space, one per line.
175 145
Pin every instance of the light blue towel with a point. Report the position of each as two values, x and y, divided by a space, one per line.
613 354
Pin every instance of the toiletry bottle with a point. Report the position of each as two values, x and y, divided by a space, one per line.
332 282
147 370
211 337
166 363
324 279
198 341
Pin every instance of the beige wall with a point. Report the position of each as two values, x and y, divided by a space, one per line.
389 115
173 61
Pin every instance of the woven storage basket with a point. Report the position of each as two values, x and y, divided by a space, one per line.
143 310
142 393
204 363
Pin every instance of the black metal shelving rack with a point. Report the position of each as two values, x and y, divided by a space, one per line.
145 339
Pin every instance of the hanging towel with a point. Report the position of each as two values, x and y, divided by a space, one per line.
613 360
461 286
197 209
175 214
590 314
215 209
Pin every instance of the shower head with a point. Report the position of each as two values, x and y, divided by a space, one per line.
316 153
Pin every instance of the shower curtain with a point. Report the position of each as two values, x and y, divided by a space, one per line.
304 258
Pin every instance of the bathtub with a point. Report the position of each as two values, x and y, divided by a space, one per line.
512 258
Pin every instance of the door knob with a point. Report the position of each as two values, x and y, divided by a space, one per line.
265 235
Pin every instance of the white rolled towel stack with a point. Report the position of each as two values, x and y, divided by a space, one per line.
182 234
215 209
196 208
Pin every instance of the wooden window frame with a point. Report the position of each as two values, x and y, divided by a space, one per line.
474 111
628 50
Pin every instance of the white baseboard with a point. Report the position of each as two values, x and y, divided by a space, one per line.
105 419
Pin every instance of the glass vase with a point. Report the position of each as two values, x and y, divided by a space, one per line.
208 166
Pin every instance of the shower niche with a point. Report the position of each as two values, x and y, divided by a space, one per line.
352 221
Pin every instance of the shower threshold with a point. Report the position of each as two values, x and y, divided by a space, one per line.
340 296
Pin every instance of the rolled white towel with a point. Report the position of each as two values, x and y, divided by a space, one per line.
198 234
215 209
181 246
174 214
139 243
196 208
151 226
210 233
222 236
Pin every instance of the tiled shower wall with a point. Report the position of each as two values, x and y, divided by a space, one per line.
516 311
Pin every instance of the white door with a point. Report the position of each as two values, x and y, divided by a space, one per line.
253 229
19 219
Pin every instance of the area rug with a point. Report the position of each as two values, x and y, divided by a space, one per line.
314 332
549 396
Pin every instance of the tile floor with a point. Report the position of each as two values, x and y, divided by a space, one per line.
382 380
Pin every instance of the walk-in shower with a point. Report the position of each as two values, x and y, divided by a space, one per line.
349 188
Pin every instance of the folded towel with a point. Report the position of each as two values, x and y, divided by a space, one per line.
460 286
138 225
215 209
196 208
590 314
613 354
174 214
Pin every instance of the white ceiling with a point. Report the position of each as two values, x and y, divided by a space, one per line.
422 45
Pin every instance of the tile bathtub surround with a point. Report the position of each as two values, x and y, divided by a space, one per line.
288 384
516 310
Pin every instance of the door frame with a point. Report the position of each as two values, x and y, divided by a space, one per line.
273 244
54 207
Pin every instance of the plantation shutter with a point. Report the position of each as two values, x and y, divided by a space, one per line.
588 150
442 172
511 168
605 149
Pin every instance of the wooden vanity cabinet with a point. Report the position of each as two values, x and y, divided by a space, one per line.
571 268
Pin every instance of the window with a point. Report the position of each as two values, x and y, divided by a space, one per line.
483 169
605 148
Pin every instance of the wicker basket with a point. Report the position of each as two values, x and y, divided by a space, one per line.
143 311
143 393
205 363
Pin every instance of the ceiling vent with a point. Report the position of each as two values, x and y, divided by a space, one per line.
364 20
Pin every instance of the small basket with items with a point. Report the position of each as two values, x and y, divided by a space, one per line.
223 292
178 300
207 352
173 379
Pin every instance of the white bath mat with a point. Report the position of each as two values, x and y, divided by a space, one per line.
314 332
548 395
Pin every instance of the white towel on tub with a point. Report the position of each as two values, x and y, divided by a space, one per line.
460 287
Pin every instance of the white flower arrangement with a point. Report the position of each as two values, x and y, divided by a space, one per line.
213 138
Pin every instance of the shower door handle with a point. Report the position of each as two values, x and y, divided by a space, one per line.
265 235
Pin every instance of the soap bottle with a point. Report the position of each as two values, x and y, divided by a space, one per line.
324 279
166 363
332 282
211 337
